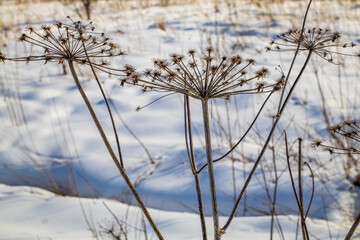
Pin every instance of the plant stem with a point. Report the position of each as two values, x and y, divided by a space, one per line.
205 112
246 184
243 137
353 228
188 129
111 152
301 200
107 106
295 55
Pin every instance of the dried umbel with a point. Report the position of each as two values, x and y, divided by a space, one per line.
322 42
75 42
350 130
201 76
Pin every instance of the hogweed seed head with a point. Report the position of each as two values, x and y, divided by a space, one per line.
262 73
316 142
201 76
74 41
350 130
322 42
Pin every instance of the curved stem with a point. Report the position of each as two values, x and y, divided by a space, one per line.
190 148
246 184
152 161
290 171
313 188
107 106
205 113
295 55
242 138
111 152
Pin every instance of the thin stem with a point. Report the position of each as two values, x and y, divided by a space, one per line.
152 161
290 172
295 55
217 234
247 182
111 152
301 199
273 207
107 106
190 147
313 189
242 138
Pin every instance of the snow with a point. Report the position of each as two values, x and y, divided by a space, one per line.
29 212
47 135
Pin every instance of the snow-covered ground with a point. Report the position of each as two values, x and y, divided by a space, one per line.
49 141
33 213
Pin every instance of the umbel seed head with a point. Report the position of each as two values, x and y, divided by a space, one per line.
201 76
72 41
322 42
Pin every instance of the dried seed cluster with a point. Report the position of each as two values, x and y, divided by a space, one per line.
322 42
75 42
201 76
349 130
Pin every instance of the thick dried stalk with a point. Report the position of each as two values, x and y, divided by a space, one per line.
217 234
353 228
111 152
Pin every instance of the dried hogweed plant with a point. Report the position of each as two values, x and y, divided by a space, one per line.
201 77
318 41
323 43
326 45
79 43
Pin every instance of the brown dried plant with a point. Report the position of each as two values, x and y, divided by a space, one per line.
315 40
76 42
202 77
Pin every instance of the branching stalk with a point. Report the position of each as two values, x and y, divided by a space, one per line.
295 55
